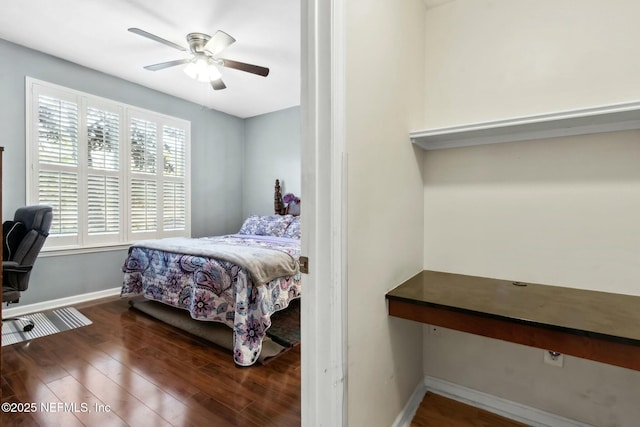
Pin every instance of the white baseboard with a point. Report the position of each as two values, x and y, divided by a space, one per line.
507 408
409 410
61 302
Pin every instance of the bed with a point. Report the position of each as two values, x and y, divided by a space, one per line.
238 279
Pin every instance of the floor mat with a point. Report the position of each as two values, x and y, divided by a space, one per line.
46 323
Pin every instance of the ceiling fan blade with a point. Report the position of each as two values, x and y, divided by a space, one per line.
218 84
143 33
249 68
163 65
219 42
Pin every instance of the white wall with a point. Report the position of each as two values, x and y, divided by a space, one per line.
493 59
384 86
562 211
272 151
557 211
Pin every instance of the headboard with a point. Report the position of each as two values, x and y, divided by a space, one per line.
279 206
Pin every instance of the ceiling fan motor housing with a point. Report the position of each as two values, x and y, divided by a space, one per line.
197 42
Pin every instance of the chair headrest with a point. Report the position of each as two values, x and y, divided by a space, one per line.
37 217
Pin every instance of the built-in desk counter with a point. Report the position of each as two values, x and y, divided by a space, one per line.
593 325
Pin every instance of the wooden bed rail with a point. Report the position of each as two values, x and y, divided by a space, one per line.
292 207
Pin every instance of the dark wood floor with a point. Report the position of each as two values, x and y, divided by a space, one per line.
439 411
129 369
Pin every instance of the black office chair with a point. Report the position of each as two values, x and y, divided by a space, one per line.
22 239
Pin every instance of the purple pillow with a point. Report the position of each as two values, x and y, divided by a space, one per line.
266 225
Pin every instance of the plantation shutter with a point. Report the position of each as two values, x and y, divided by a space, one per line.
173 191
60 191
144 199
144 146
113 173
57 140
143 188
103 172
173 206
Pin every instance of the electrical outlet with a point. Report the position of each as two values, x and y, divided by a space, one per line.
553 358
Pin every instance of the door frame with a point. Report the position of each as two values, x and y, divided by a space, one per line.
324 163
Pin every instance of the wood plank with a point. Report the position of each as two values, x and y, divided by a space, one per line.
37 392
35 359
133 411
73 397
439 411
8 418
139 367
161 401
144 378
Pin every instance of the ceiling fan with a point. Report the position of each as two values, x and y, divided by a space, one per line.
204 61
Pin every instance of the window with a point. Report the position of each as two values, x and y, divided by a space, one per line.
112 173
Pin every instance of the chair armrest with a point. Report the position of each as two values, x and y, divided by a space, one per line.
14 267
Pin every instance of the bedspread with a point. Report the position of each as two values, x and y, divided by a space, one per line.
214 289
262 263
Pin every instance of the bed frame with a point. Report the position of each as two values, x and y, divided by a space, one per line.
278 204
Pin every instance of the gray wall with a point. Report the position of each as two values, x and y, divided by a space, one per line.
216 164
272 150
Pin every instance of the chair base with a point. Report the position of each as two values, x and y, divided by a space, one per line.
26 328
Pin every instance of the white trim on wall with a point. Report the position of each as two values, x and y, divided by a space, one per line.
516 411
506 408
405 417
60 302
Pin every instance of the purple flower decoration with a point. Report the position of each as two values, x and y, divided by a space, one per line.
203 305
251 332
290 197
174 283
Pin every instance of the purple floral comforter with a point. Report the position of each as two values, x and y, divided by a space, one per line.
215 290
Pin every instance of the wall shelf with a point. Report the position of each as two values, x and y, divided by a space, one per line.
593 325
609 118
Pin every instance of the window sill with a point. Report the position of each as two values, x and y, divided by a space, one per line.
73 250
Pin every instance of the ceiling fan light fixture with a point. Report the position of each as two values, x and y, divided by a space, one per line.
202 68
204 61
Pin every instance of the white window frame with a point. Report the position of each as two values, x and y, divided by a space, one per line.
84 242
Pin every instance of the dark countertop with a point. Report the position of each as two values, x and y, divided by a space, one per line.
583 312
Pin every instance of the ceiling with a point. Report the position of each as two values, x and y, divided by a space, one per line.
94 34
